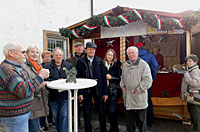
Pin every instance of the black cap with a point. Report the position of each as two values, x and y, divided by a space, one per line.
91 45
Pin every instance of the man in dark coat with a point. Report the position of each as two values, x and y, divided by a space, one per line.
91 66
74 56
153 64
58 99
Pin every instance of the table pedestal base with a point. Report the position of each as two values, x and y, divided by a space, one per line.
70 99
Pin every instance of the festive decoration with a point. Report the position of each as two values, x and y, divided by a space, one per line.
161 23
109 43
138 14
106 20
178 22
88 27
71 75
75 34
124 19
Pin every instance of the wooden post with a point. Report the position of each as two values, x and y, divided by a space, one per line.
188 43
122 49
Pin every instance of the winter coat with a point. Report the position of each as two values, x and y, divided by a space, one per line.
136 77
115 71
191 81
99 74
75 58
150 60
40 103
56 74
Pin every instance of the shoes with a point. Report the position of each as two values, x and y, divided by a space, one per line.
150 127
44 129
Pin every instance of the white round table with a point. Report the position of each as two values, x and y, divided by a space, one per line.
61 85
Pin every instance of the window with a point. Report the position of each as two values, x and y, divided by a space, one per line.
54 39
53 42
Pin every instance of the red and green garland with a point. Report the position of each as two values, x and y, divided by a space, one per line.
159 22
153 20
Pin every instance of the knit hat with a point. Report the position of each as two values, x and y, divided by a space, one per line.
139 44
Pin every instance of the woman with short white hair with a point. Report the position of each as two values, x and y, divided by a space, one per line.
40 103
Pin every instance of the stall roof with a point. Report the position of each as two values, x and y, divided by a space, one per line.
196 30
119 10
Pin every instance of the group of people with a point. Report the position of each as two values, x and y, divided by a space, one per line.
25 99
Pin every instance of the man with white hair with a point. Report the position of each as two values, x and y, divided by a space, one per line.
16 90
58 100
135 80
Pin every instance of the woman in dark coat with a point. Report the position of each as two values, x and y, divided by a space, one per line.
113 68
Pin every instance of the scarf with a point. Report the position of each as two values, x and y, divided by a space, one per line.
107 65
36 65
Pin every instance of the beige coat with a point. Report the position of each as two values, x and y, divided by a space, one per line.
136 77
191 81
40 103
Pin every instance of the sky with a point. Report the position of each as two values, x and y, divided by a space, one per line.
173 6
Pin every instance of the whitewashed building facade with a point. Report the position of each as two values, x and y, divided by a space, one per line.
35 21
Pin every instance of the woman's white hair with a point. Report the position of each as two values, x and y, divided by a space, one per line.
9 46
133 48
30 47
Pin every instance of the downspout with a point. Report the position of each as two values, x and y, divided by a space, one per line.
92 8
92 13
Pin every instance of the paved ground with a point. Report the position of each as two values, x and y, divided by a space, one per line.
161 125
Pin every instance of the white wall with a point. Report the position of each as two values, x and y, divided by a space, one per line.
23 21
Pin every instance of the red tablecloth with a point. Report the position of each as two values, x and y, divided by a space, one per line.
167 85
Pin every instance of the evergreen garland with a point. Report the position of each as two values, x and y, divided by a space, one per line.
167 23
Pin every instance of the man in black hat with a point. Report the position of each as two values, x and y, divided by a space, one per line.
91 66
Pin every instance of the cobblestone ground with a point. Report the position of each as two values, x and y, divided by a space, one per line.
160 125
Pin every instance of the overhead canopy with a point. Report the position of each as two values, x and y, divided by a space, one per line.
120 16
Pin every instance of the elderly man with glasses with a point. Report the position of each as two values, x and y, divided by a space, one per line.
16 89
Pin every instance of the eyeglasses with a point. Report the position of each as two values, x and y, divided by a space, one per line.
23 51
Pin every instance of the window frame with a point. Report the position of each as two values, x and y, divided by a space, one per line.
56 36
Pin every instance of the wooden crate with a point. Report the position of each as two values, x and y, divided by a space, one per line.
170 108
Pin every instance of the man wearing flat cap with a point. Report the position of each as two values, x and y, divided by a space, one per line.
74 56
92 67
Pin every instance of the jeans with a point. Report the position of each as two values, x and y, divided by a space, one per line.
60 115
43 122
16 123
33 125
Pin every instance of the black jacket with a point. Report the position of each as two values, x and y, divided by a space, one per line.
115 71
55 74
99 73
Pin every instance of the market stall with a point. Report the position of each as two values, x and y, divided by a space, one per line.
122 27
